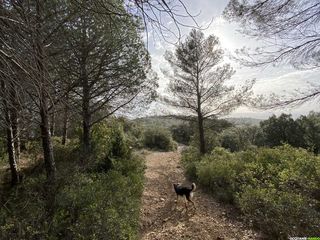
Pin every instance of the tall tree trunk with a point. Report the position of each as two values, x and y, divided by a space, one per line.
86 118
86 115
15 121
53 120
45 128
46 140
12 155
202 146
10 141
202 143
16 134
65 122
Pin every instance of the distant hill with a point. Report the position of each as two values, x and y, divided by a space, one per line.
161 121
244 121
171 120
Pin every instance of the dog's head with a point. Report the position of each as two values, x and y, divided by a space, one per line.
175 185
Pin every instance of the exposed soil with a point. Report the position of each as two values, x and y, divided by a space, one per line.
163 218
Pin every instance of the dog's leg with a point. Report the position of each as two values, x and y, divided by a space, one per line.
190 200
176 202
194 205
185 203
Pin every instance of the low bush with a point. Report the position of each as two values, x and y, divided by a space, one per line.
159 139
218 174
133 132
190 159
88 201
182 133
276 189
99 206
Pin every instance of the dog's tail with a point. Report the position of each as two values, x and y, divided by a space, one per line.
193 186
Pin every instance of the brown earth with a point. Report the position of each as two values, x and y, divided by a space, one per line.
162 218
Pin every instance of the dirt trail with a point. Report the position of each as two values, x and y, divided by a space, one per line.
160 219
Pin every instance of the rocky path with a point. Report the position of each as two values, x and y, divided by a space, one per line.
163 219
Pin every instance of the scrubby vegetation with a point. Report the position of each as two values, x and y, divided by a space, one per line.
182 133
303 132
271 173
159 139
276 189
91 199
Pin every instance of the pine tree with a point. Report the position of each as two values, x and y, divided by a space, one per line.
198 84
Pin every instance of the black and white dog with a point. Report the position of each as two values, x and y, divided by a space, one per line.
186 192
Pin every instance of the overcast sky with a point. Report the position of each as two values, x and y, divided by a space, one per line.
281 79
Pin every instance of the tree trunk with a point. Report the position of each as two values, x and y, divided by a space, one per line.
202 143
86 115
15 121
65 122
46 141
12 155
45 128
202 146
10 142
86 121
16 134
52 124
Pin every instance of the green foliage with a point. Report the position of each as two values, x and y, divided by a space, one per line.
159 138
99 206
213 128
311 127
217 173
190 158
182 133
108 143
276 189
241 138
231 139
66 153
33 148
282 129
280 213
94 201
134 133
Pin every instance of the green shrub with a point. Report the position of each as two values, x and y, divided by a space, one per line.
33 149
182 133
99 206
134 133
230 139
281 213
211 139
277 189
87 201
24 216
217 172
190 159
159 139
108 143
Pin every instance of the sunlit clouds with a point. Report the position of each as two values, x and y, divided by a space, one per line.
280 79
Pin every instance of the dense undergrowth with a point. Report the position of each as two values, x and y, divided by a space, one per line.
276 189
159 139
93 198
